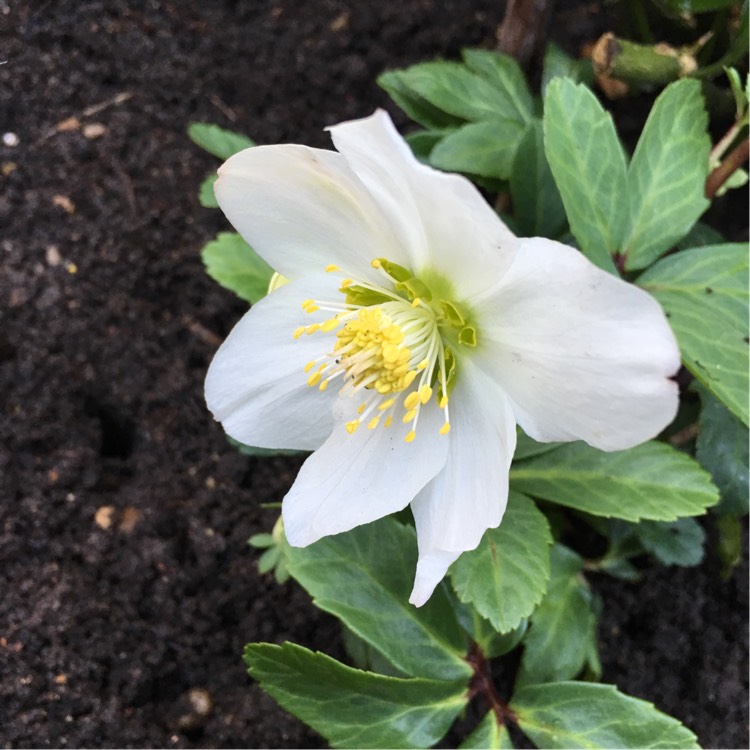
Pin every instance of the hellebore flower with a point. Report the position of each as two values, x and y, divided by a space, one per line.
415 332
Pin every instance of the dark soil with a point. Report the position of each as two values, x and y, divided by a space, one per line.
126 578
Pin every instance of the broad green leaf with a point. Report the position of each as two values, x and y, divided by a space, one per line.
397 84
667 174
729 544
218 141
537 205
364 656
558 64
704 292
651 481
422 142
351 708
483 633
505 577
722 448
557 642
589 166
236 266
700 235
364 577
449 87
678 542
506 77
585 715
206 196
483 148
488 734
527 447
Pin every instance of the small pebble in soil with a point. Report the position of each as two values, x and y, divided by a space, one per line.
11 140
195 707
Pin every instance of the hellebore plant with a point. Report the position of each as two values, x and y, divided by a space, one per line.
415 332
408 331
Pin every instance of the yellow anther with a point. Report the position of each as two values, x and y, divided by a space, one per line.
376 263
423 364
351 427
346 283
409 416
307 302
445 429
314 379
329 325
443 402
310 365
324 385
416 302
410 436
388 421
312 308
425 393
299 331
409 378
312 328
411 400
386 404
373 423
332 267
361 408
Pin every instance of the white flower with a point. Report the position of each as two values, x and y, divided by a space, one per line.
415 332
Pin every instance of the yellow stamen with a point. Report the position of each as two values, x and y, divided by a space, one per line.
443 402
445 429
310 365
423 364
425 392
386 404
312 328
410 437
376 263
416 302
361 408
409 378
388 421
299 331
409 416
346 282
351 427
329 325
314 379
411 400
332 267
324 385
373 423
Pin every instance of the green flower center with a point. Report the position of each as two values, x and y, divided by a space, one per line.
394 345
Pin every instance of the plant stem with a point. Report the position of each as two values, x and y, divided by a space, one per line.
481 684
727 168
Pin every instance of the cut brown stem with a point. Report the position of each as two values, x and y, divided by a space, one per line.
481 684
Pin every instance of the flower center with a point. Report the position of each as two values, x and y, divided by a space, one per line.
392 348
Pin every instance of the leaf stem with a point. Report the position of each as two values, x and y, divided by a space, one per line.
737 157
481 684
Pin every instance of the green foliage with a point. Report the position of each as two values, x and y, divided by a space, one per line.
722 448
704 292
589 166
218 141
559 65
364 578
562 627
206 196
584 715
537 206
488 734
667 175
351 708
678 542
505 577
651 481
237 267
729 546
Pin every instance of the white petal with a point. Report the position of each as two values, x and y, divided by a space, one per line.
355 479
470 494
460 235
302 209
256 385
581 353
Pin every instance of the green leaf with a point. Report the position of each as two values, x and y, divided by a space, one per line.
667 175
505 577
236 266
585 715
488 734
537 205
700 235
722 448
557 642
651 481
251 450
678 542
506 77
351 708
483 148
449 88
729 544
558 64
589 166
422 142
397 84
527 447
364 577
218 141
704 292
206 196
